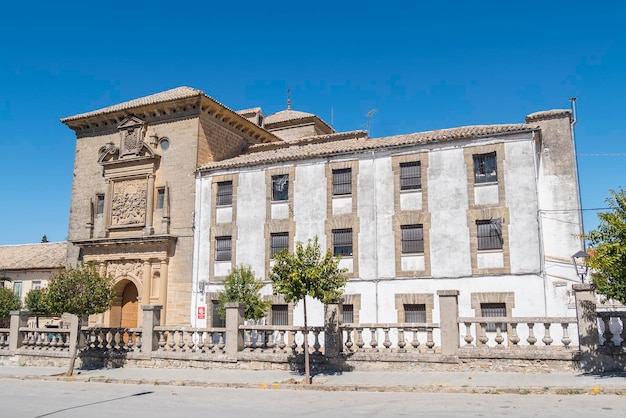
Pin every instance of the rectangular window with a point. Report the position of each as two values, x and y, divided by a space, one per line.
216 320
493 310
36 285
160 197
485 168
342 182
348 314
17 289
224 193
280 315
342 242
280 242
412 239
489 233
99 204
415 312
280 187
223 247
410 176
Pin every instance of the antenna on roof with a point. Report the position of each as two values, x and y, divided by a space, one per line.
369 119
288 99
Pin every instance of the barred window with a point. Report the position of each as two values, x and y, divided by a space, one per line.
485 168
348 314
410 176
342 242
493 310
412 239
342 181
280 242
280 315
223 247
280 187
216 320
99 204
225 193
489 233
415 312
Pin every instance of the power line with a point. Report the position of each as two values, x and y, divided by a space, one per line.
603 155
572 210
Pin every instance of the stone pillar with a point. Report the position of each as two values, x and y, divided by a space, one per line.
588 336
151 319
163 290
146 283
448 321
108 199
235 316
333 338
19 319
149 229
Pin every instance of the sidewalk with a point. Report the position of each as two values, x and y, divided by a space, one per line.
442 382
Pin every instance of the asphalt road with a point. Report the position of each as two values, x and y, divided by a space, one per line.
30 398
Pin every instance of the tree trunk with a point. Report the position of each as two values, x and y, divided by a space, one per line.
307 366
74 347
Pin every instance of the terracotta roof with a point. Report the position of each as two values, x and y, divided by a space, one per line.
165 96
33 256
548 114
326 145
285 115
250 111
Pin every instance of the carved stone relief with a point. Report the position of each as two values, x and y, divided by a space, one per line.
125 268
129 202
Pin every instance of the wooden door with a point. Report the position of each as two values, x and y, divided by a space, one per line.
130 306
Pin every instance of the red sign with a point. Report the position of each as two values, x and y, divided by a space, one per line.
201 312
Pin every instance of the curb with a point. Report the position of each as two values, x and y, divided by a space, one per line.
325 387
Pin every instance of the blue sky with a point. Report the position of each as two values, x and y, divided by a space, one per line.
421 65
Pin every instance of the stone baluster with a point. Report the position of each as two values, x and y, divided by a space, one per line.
281 340
247 340
161 340
607 334
499 338
565 340
34 340
387 342
171 337
514 339
483 334
373 340
531 334
109 340
53 341
623 333
316 343
181 340
415 342
468 335
294 344
401 341
221 343
138 341
349 342
2 340
211 344
430 342
547 339
359 339
191 342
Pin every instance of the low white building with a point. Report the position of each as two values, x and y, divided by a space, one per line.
491 211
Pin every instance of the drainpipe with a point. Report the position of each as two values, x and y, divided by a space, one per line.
573 123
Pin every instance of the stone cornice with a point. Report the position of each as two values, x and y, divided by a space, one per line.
139 240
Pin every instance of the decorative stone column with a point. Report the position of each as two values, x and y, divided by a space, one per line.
333 339
151 319
149 229
448 321
146 283
163 290
108 199
19 319
235 315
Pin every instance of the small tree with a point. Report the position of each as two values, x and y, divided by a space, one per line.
608 248
9 301
36 305
81 291
308 273
241 286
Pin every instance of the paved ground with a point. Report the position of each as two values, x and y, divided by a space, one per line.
444 382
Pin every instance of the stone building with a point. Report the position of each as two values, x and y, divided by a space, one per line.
173 190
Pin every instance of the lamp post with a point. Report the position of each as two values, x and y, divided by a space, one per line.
580 264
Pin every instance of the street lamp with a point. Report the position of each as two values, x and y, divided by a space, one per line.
580 264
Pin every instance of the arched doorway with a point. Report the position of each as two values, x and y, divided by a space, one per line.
130 306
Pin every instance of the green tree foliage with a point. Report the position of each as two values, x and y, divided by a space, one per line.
308 273
9 301
81 291
35 303
608 249
241 286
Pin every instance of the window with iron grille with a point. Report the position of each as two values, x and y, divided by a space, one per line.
99 204
410 176
348 314
414 312
412 239
493 310
280 187
160 197
223 247
342 242
225 193
485 168
489 234
280 241
280 315
342 181
216 320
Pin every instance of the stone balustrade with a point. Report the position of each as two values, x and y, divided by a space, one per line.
4 339
282 339
51 339
117 339
612 329
517 332
397 338
191 340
